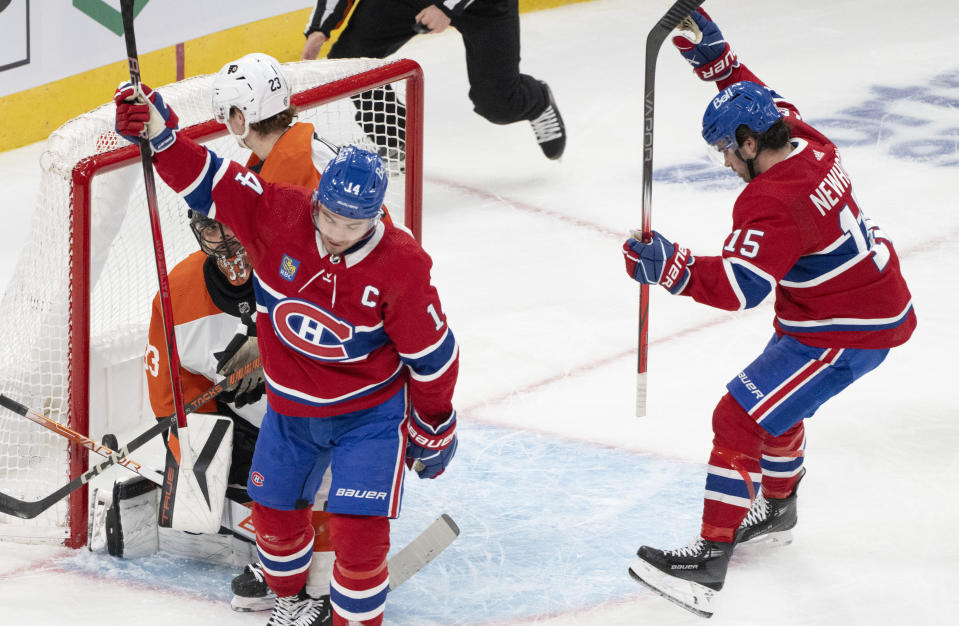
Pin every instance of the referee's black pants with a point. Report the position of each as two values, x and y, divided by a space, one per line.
490 31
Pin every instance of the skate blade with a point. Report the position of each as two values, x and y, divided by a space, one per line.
247 605
690 595
781 538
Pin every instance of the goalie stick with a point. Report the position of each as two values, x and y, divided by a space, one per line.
654 41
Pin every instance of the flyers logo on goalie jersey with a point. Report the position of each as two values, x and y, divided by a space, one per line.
310 330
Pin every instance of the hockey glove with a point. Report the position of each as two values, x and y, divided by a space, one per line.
430 449
245 383
659 261
144 110
707 51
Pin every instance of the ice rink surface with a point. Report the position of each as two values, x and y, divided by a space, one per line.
556 483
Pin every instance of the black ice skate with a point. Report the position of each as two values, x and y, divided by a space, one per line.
549 128
301 610
250 592
689 577
770 519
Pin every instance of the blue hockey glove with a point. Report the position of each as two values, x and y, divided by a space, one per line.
707 52
146 109
430 448
659 261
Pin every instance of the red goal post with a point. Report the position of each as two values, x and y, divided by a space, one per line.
74 317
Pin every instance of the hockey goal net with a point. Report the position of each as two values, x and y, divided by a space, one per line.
74 317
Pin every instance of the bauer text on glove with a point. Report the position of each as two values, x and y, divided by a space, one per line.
659 261
432 446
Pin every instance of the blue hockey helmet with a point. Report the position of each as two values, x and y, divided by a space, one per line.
353 184
744 102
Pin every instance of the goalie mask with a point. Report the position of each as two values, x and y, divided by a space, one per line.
255 85
218 241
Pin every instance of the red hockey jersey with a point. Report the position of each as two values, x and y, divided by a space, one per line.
798 230
336 333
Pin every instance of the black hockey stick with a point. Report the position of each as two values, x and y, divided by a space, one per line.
654 41
104 449
28 510
175 451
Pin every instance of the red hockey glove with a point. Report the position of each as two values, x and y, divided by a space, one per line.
432 447
708 52
144 110
659 261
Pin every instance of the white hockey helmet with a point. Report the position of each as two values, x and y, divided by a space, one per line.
255 85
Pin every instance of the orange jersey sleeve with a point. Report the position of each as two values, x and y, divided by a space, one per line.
291 161
190 302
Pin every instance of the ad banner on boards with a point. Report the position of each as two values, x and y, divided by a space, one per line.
44 41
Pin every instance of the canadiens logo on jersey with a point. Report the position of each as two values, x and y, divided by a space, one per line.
310 330
288 267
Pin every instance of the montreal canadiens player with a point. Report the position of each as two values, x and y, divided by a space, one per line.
359 361
251 97
213 301
840 304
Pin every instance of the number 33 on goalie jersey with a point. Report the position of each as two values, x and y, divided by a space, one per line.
798 231
336 333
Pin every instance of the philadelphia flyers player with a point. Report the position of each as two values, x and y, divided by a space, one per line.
359 361
840 304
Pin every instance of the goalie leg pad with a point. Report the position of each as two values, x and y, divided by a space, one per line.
360 574
216 548
201 481
131 526
284 542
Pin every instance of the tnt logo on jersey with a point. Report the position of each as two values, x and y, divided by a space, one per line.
288 267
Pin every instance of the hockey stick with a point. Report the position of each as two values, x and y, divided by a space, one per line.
654 41
28 510
103 450
50 424
177 453
423 549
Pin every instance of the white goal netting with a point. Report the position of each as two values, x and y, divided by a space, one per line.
58 277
